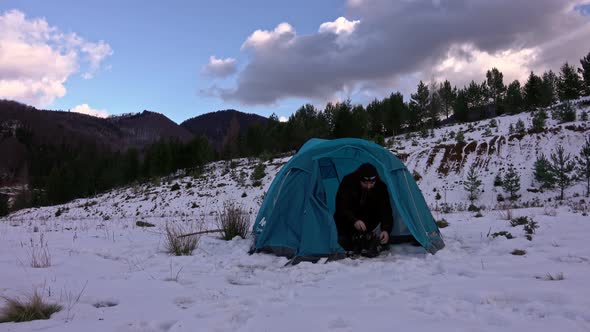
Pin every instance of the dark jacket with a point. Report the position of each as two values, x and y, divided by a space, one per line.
352 204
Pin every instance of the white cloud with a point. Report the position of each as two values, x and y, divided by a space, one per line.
37 59
220 67
465 63
261 38
85 109
340 26
283 119
95 53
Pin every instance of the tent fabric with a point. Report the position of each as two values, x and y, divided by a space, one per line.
296 216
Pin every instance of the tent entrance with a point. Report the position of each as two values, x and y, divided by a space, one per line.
331 171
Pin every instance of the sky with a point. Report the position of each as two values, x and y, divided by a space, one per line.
186 58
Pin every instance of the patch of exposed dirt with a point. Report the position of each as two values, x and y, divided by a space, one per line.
575 128
515 136
481 160
403 156
452 156
470 148
435 150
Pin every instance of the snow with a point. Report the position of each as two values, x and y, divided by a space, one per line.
111 275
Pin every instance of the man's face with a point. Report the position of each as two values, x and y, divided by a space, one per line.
368 183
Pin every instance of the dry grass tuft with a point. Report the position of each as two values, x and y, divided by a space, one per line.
180 245
33 308
39 256
233 221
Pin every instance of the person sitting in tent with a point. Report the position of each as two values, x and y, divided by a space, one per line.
362 204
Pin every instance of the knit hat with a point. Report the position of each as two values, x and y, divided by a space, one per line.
367 172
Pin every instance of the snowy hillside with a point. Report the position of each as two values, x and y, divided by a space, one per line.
111 275
444 164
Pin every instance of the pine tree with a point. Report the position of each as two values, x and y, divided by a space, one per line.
549 95
476 97
562 166
419 102
520 128
585 71
510 129
434 105
497 89
472 184
564 113
460 138
583 165
533 91
3 205
461 106
543 172
511 183
498 180
447 97
513 101
584 116
539 121
569 85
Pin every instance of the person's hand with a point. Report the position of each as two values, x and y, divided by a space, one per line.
384 237
360 226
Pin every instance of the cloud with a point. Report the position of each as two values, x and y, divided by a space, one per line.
261 39
220 67
340 26
283 119
389 44
85 109
464 63
37 59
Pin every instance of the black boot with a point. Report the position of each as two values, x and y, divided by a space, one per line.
372 246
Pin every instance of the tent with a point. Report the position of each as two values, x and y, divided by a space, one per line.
296 217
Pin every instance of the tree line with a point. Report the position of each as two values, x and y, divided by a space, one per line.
431 105
60 173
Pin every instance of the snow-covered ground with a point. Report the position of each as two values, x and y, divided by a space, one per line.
111 275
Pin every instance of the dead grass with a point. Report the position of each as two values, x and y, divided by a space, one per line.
442 223
33 308
506 211
177 245
233 221
39 255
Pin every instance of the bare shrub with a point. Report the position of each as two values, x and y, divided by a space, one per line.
71 299
506 211
233 221
174 273
39 256
33 308
176 243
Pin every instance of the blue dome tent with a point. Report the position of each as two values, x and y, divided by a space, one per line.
296 217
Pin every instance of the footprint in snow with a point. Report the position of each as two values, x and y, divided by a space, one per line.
183 302
338 323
